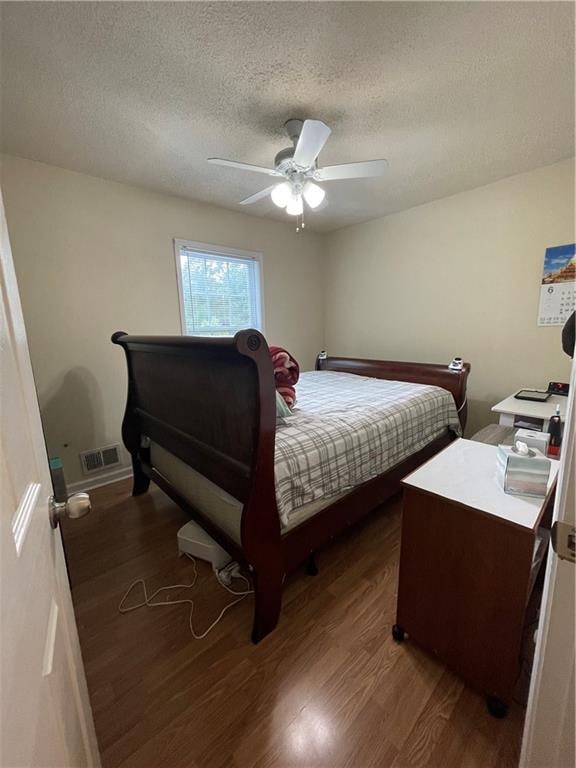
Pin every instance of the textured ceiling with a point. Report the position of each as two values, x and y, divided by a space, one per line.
454 95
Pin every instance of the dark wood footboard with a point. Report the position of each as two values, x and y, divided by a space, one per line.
211 402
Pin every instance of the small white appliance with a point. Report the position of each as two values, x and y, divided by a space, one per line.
457 364
533 439
193 540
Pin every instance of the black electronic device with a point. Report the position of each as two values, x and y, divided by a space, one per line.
558 388
532 394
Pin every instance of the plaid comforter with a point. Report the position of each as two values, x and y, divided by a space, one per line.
347 429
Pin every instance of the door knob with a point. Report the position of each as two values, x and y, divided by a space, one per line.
78 505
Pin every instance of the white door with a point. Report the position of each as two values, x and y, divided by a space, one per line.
45 715
550 719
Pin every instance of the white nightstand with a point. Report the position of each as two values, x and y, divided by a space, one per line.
531 415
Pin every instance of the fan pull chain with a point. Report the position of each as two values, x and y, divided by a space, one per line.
300 224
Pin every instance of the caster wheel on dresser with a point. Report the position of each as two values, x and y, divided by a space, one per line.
496 707
311 567
398 633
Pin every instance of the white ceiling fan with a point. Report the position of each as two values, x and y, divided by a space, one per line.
297 172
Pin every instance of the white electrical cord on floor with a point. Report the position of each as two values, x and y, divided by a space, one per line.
224 577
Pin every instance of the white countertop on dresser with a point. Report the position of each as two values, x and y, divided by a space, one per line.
466 472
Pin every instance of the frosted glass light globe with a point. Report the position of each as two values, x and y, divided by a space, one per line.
295 206
313 194
281 195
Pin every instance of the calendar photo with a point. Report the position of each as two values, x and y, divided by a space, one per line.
558 288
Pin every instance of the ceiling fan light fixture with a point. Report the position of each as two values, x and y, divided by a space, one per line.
313 194
295 206
281 194
296 169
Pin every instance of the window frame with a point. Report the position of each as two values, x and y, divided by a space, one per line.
228 253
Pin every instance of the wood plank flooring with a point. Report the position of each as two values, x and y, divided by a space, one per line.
328 689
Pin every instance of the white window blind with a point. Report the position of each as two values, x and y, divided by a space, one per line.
219 291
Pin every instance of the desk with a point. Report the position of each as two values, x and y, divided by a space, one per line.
536 415
469 557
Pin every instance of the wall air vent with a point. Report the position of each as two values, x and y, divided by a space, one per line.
100 458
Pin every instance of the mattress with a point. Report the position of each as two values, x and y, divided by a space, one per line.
345 430
348 429
216 503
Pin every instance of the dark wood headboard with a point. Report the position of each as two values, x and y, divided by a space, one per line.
415 373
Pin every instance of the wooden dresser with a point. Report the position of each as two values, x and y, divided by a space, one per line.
470 554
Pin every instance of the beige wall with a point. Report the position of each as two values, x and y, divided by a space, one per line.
93 257
459 276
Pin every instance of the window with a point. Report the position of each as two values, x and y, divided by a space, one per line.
220 289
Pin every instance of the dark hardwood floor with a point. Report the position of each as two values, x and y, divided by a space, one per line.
329 688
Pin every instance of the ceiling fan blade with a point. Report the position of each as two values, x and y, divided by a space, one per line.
313 136
362 170
243 166
257 196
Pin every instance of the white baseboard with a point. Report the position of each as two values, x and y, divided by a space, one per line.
102 479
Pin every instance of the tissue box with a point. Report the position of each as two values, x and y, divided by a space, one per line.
538 440
523 475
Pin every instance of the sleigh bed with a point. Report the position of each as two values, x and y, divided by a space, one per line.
201 422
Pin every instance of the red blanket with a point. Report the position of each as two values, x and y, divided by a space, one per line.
286 374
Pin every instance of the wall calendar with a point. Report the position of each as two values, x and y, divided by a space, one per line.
558 288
